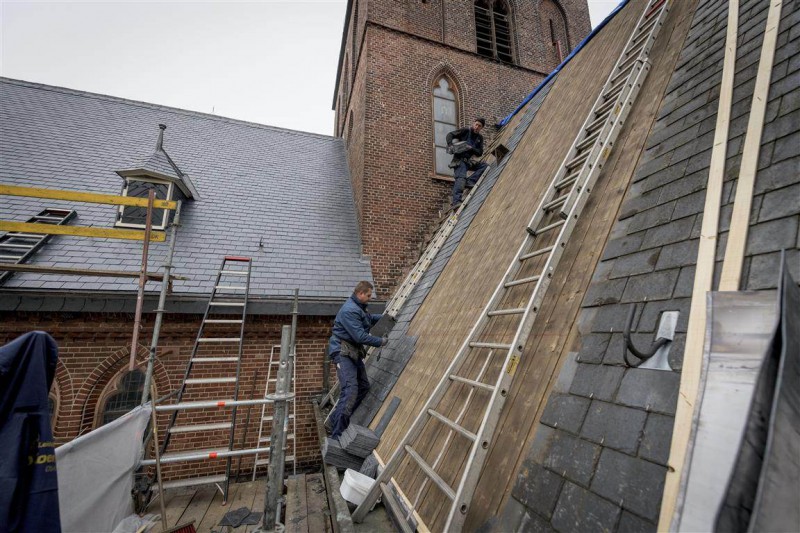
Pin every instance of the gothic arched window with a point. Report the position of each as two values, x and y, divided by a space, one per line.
126 395
493 29
445 120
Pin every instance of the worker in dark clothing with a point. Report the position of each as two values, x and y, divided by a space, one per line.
346 348
470 145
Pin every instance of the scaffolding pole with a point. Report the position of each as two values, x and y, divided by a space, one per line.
162 299
278 438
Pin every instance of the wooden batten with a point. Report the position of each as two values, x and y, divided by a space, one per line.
704 274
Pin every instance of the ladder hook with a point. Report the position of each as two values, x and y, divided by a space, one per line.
643 355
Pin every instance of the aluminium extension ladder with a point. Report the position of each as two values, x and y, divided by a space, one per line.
272 382
230 292
17 247
545 239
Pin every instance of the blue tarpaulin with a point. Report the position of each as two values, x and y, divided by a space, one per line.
28 482
566 60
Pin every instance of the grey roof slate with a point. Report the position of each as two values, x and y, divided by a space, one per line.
383 373
280 196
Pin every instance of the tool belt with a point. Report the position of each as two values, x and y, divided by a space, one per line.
355 352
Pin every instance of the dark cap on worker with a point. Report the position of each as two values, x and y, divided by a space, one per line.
481 120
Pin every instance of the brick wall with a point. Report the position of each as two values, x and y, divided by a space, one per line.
401 194
400 50
94 349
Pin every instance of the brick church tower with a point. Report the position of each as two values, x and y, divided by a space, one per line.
412 70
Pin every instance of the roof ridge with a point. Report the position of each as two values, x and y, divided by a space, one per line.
140 103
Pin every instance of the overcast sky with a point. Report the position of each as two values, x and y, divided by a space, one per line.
271 62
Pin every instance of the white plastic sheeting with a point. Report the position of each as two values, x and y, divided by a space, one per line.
95 473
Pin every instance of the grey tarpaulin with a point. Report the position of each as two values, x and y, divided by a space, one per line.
95 473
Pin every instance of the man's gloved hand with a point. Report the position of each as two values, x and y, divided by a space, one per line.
384 341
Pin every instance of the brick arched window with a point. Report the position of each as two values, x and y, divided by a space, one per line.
554 28
493 29
445 120
121 395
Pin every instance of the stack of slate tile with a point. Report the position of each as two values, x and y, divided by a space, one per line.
359 440
333 454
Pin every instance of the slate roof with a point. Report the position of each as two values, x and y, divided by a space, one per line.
384 372
280 196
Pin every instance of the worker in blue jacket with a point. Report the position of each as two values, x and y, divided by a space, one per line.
346 349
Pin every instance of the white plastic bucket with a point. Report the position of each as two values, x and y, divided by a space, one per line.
355 486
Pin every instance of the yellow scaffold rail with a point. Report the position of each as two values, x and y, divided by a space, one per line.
87 197
81 231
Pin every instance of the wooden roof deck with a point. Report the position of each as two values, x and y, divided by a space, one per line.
307 506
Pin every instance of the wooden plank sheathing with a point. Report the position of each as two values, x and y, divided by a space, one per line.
474 270
216 511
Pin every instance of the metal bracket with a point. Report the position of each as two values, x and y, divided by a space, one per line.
656 357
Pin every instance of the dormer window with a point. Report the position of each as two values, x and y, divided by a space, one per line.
136 217
160 174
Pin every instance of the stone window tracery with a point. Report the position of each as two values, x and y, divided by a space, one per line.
445 120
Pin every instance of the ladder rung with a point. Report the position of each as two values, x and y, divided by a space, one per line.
200 427
192 481
640 37
522 281
603 109
45 217
501 312
555 203
270 418
472 382
261 462
615 90
493 345
15 235
577 160
208 381
588 141
233 272
646 27
222 321
220 339
229 304
624 71
544 229
232 287
237 258
452 425
634 51
14 257
599 121
25 246
215 359
289 436
449 492
536 253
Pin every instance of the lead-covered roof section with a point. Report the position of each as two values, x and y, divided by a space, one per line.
279 196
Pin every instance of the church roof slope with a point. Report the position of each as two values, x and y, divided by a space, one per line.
280 196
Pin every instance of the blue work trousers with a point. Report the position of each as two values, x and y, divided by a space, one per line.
460 173
355 385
